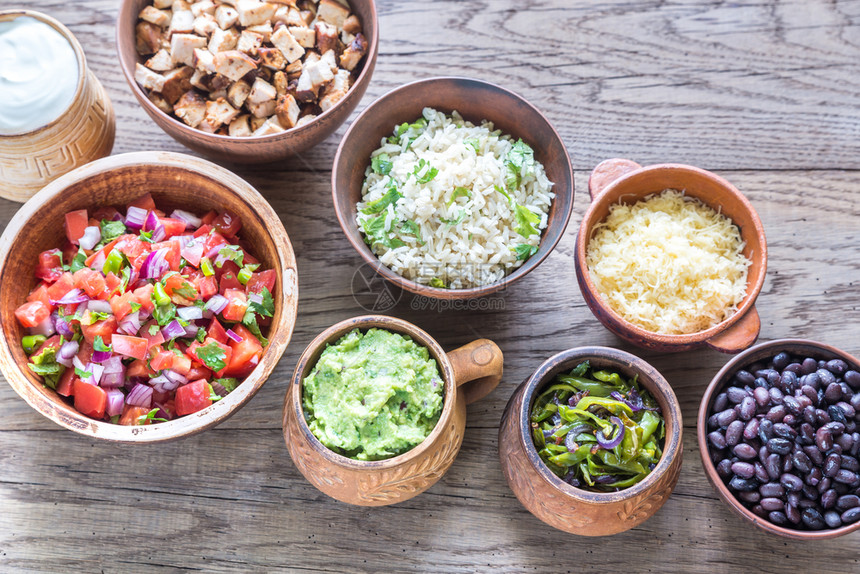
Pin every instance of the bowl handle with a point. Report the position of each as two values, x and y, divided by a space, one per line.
477 368
739 336
607 172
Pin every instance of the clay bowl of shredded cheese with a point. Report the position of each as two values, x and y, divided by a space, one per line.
671 257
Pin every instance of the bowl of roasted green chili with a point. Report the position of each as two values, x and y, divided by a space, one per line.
591 442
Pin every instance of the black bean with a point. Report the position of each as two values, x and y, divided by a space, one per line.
760 472
721 402
855 402
847 408
806 503
785 431
853 379
771 504
747 408
831 465
751 429
777 517
850 463
835 427
846 390
814 476
813 380
813 519
840 488
712 422
791 404
846 476
808 366
810 493
773 466
791 482
802 400
789 419
762 397
775 395
779 445
724 469
735 394
826 377
763 453
825 484
759 511
787 464
832 518
836 414
851 515
772 376
743 469
761 383
823 439
744 451
717 439
750 496
810 393
743 484
833 392
781 360
772 490
801 461
726 417
793 367
847 501
776 414
765 430
816 455
846 441
821 417
793 499
734 433
836 366
792 513
855 450
745 377
807 434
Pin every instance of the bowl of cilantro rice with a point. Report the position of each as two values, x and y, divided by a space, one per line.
452 188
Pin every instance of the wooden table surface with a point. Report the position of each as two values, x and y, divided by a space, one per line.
763 92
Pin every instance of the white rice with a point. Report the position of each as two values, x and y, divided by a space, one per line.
478 250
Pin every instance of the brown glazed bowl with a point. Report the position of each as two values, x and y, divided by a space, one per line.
175 181
572 509
801 347
620 180
470 373
248 150
475 100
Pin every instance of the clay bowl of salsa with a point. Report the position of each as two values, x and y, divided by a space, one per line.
175 181
468 374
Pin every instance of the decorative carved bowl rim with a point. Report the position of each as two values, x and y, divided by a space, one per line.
8 15
628 364
308 360
752 355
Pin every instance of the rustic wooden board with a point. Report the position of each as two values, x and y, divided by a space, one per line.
764 92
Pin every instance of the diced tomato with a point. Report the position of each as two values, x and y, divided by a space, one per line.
90 399
113 283
161 359
181 364
202 230
237 304
262 279
76 223
178 287
61 286
192 397
206 286
103 252
108 213
104 329
194 352
50 266
227 223
229 281
246 354
134 249
152 340
143 297
85 352
131 416
209 217
173 256
217 332
213 240
121 304
92 282
66 384
172 226
198 371
40 293
144 202
69 252
130 346
32 313
139 368
53 341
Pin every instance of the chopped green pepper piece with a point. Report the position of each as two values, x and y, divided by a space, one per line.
32 342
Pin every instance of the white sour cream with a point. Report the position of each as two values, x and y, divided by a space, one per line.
38 75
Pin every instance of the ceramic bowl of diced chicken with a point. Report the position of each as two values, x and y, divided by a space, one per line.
248 81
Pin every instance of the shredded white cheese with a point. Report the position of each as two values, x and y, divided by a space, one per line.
668 263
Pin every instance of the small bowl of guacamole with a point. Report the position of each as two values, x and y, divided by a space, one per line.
376 411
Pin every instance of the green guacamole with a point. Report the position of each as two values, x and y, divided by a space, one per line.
373 395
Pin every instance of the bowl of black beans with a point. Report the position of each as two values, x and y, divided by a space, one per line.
778 435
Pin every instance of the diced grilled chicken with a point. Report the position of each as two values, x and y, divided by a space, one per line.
270 126
306 37
240 127
238 92
319 73
308 16
249 42
261 91
271 58
223 40
191 108
284 41
176 83
205 24
354 53
218 83
294 70
287 111
155 16
160 62
159 102
294 18
252 12
281 82
305 120
182 48
200 80
233 64
257 122
330 60
220 112
162 4
204 60
332 12
226 16
305 90
148 79
327 38
203 7
147 38
351 25
182 22
263 109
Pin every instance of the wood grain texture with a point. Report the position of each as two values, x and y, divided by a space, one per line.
764 92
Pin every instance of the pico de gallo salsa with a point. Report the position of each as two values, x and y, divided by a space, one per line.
144 317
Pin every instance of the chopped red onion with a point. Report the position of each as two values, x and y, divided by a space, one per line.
233 335
190 313
216 303
191 220
115 402
255 298
619 429
99 306
191 330
155 264
162 384
98 263
140 396
96 371
114 372
151 221
192 251
135 217
76 362
101 356
175 377
72 297
67 352
215 251
172 330
131 323
92 235
62 326
45 328
158 234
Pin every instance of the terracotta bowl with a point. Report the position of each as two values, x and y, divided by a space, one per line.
617 180
572 509
83 133
175 181
470 373
761 352
249 150
475 101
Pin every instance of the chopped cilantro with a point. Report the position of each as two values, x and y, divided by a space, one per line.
267 307
82 373
524 251
229 384
78 261
186 291
411 228
374 231
135 306
146 236
461 215
392 195
153 330
150 416
525 221
164 314
436 282
230 253
474 143
505 193
201 335
111 230
46 365
459 192
213 356
99 345
381 164
213 396
428 174
250 321
520 163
